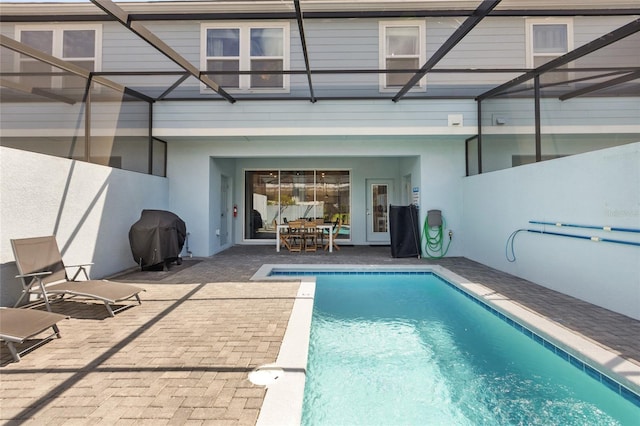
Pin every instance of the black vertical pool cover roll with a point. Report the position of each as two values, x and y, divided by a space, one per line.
404 231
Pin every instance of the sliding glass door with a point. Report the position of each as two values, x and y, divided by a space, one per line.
278 196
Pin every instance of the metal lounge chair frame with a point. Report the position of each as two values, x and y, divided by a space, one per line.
19 325
43 273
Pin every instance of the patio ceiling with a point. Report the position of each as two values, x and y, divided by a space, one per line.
588 76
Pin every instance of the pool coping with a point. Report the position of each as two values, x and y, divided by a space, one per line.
282 405
283 400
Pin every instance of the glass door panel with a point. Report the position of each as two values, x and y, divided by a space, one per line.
297 195
334 199
378 198
279 196
262 207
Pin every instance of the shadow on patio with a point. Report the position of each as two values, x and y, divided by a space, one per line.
185 353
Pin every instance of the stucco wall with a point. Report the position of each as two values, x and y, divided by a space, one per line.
89 208
435 164
600 188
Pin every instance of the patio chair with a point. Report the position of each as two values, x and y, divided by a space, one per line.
310 236
296 238
19 325
285 236
319 233
43 273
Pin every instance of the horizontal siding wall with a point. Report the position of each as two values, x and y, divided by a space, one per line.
7 58
494 43
578 112
354 44
505 151
338 44
602 115
122 50
302 117
344 44
590 112
22 119
28 116
625 52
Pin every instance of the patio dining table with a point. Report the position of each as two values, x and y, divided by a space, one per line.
327 226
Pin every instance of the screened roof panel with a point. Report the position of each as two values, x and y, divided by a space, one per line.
456 63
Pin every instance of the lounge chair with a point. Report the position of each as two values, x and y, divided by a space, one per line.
19 325
42 272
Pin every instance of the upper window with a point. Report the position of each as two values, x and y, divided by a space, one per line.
402 47
548 39
259 48
78 44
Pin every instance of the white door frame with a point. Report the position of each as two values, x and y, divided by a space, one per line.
377 211
225 217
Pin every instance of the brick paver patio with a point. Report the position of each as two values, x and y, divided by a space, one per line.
183 356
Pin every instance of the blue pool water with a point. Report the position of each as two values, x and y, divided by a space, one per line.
411 350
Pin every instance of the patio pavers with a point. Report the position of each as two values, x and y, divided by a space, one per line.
183 356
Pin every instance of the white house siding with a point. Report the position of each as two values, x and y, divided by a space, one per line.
600 188
337 44
303 117
623 113
494 43
625 52
6 60
353 44
122 50
568 127
55 118
498 150
89 208
61 119
577 115
124 117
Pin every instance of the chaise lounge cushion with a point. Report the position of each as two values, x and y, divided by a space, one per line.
18 325
106 291
43 272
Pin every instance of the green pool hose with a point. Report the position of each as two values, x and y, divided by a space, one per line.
433 240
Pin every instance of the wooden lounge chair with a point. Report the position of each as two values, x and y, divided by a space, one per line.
19 325
43 273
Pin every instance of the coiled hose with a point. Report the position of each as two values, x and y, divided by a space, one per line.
433 240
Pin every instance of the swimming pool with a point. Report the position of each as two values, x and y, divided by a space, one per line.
408 349
416 349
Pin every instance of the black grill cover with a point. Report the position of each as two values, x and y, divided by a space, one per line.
157 238
403 230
